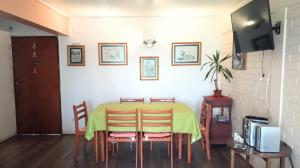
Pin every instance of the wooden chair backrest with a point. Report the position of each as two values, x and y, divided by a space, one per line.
162 100
80 112
121 118
206 115
123 100
156 118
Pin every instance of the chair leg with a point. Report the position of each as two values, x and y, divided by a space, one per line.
141 152
106 154
113 149
96 146
85 143
207 148
136 152
102 139
151 146
171 153
202 144
168 148
76 147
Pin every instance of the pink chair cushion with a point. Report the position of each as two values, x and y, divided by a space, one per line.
157 134
122 134
202 128
82 129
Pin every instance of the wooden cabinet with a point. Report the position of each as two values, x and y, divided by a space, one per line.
220 132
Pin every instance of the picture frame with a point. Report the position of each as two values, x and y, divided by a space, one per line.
112 53
76 55
238 60
186 53
149 68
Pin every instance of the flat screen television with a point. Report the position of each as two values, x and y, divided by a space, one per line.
252 27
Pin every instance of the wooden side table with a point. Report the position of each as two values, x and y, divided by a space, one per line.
220 132
285 151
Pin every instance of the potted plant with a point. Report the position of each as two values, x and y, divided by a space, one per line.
216 68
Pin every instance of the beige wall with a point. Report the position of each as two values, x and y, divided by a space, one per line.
7 103
36 14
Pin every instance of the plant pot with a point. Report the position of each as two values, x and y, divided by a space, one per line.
218 93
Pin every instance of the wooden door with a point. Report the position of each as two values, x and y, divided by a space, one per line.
37 90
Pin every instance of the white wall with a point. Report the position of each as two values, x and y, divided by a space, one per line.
99 84
7 103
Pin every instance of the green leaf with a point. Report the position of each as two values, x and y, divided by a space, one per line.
225 58
206 76
204 65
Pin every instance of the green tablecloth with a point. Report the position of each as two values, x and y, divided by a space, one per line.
184 119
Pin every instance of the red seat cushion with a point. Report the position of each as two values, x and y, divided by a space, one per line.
157 134
82 129
202 128
122 134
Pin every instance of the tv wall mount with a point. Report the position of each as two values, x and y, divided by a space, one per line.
277 27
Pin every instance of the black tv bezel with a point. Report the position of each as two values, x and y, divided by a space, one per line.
272 45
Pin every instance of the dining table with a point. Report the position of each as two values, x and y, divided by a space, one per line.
184 123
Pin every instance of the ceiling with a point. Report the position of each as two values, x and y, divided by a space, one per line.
129 8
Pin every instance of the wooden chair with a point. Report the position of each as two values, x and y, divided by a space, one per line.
80 112
205 120
156 118
118 119
167 100
171 100
128 100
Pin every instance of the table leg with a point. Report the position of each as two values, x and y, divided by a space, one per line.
189 152
179 145
232 154
96 145
102 146
282 159
248 161
268 163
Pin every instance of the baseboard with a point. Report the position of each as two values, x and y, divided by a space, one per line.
8 137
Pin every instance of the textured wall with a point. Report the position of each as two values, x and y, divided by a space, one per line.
291 91
249 90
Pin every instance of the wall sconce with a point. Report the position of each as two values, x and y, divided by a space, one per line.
149 43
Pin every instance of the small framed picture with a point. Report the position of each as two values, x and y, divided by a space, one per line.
186 53
238 60
76 55
149 68
112 53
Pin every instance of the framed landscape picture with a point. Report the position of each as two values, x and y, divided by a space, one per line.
76 55
186 53
112 53
149 68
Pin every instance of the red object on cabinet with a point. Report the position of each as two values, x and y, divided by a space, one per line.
220 131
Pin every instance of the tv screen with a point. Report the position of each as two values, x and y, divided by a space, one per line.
252 27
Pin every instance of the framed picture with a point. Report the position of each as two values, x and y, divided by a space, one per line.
149 68
186 53
76 55
112 53
238 60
